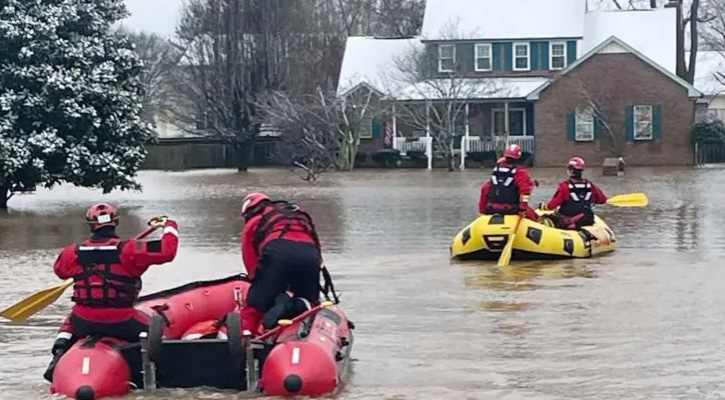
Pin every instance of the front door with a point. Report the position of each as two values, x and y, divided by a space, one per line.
517 122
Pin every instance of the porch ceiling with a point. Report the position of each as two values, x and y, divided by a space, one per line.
468 89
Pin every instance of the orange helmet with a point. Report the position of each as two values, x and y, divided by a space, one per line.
102 214
251 201
513 151
576 163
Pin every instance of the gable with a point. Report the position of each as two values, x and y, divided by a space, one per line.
503 19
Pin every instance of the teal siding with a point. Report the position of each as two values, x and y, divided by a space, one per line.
465 56
508 56
545 56
570 51
496 56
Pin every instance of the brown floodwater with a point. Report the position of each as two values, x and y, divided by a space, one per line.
644 322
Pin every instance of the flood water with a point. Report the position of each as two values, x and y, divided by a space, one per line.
646 322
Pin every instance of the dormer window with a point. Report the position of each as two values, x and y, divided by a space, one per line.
522 57
446 57
557 55
483 57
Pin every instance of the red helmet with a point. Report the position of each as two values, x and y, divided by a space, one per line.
102 214
252 200
577 163
513 151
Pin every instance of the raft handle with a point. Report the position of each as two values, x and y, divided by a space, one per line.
149 368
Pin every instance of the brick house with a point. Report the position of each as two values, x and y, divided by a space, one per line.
593 83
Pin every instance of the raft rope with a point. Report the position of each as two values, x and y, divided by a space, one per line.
329 287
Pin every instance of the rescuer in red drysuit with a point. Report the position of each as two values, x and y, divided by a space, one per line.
107 279
509 189
282 255
575 198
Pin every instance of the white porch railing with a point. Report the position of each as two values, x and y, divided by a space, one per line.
476 144
422 144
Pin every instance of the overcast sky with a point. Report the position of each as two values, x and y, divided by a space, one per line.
157 16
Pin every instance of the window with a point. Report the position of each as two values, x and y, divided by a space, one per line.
521 57
483 57
584 125
366 128
517 122
557 55
446 57
643 129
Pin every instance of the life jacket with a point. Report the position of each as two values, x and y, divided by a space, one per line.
100 285
503 187
580 199
283 217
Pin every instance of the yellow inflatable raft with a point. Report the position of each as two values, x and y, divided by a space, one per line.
487 235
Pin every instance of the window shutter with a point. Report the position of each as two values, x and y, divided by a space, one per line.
599 119
629 121
377 128
657 122
571 126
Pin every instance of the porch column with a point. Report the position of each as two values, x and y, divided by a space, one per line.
464 145
395 129
428 143
506 121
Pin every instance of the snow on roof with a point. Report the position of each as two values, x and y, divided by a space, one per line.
708 63
503 19
368 60
471 88
652 32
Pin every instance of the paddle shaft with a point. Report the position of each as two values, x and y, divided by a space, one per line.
505 257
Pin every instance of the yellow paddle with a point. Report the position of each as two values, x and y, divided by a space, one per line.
505 257
636 199
23 309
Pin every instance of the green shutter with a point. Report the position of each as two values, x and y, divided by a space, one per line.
496 59
377 128
570 52
508 56
465 57
657 122
599 130
629 122
571 126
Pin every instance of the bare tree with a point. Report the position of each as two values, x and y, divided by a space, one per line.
321 130
714 35
435 102
597 104
160 58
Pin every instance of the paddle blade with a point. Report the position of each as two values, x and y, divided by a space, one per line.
505 257
36 302
629 200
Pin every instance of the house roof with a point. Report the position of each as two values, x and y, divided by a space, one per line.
613 40
503 19
652 32
367 60
469 89
708 63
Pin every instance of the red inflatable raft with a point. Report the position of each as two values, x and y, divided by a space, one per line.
307 355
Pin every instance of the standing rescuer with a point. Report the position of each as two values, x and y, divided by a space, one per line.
281 252
509 189
575 198
107 279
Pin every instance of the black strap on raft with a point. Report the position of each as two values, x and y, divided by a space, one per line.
329 287
289 213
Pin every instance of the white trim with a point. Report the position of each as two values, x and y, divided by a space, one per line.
691 91
651 122
97 248
86 367
502 110
64 335
528 56
295 355
476 57
577 123
440 60
171 230
551 55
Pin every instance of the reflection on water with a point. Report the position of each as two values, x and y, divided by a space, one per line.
643 322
